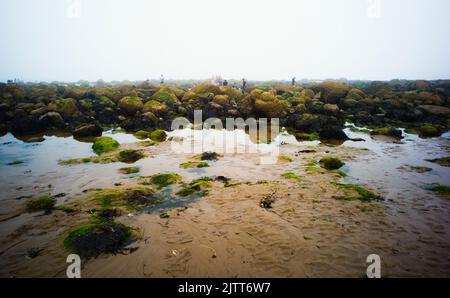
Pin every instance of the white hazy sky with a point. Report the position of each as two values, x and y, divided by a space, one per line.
257 39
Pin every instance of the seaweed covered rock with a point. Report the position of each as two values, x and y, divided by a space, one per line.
331 163
105 144
332 92
130 156
205 88
158 135
51 119
158 108
428 131
42 203
355 94
435 110
130 105
166 97
88 130
387 131
67 107
92 240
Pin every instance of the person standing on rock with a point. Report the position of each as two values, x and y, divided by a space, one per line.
293 82
244 85
225 83
162 80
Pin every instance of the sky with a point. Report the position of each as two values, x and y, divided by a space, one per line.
70 40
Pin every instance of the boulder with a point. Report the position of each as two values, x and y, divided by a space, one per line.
89 130
66 107
435 110
130 105
52 119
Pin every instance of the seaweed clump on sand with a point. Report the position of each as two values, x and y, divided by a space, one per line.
443 161
193 164
130 156
105 144
439 189
161 180
209 156
42 203
362 194
387 131
129 170
290 175
198 186
91 240
331 163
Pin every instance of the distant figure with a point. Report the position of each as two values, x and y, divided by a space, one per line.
225 83
244 85
162 79
293 81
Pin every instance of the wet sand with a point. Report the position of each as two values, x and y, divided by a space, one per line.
308 232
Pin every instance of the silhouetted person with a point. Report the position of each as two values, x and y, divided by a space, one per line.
225 83
244 85
162 79
293 81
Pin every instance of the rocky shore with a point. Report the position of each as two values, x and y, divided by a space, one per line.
310 111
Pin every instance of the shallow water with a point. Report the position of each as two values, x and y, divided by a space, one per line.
386 168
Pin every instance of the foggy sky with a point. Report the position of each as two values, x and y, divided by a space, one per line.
69 40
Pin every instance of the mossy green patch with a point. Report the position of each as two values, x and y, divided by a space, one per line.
158 135
421 169
42 203
443 161
199 186
105 144
428 131
142 134
163 179
439 188
285 158
362 194
129 170
290 175
387 131
331 163
91 240
194 164
130 156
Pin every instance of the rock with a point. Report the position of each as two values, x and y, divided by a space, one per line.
66 107
332 92
3 130
52 119
435 110
355 94
130 156
428 131
331 108
387 131
89 130
206 88
38 139
158 135
166 97
105 144
331 163
159 109
39 111
130 105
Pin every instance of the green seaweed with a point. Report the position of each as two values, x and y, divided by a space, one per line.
331 163
105 144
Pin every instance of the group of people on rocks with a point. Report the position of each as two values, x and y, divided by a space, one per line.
242 87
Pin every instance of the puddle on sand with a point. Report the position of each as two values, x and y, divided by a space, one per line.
388 166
